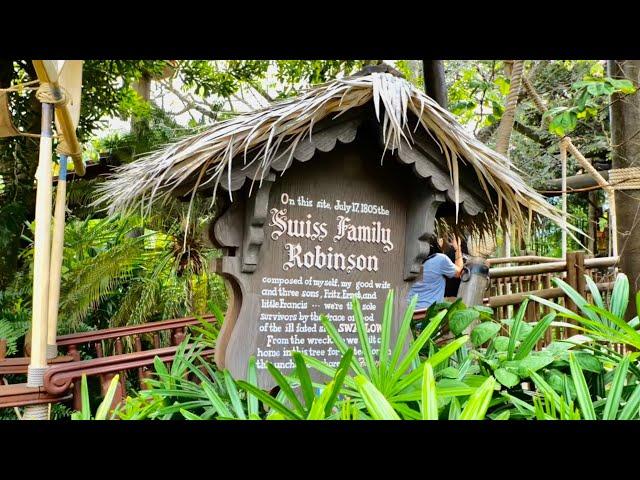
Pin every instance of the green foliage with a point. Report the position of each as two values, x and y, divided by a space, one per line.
602 322
565 119
105 406
315 407
15 319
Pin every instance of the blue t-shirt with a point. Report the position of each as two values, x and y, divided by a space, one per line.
430 289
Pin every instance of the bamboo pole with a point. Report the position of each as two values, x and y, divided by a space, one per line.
48 73
57 245
42 251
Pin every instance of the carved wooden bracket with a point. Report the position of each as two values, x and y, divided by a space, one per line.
421 216
255 216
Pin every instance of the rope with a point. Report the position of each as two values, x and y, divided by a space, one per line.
537 99
625 178
563 161
21 87
506 127
47 93
508 117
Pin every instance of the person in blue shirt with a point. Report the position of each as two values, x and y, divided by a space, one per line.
430 288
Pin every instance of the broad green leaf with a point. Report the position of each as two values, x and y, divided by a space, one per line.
534 362
461 319
506 378
484 332
564 123
501 343
449 372
484 310
588 362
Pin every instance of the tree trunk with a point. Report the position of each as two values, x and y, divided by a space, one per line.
625 125
434 81
143 88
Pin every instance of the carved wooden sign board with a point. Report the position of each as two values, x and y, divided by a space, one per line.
333 223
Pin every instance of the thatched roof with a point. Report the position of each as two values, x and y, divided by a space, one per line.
255 140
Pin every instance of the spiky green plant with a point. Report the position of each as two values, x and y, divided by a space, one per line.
601 321
104 408
396 370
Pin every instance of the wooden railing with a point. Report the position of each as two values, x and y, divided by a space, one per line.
510 285
115 350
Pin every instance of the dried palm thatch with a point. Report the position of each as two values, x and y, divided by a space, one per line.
206 158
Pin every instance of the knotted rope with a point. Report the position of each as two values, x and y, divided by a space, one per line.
508 117
625 178
47 93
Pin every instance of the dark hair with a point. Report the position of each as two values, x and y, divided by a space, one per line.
434 246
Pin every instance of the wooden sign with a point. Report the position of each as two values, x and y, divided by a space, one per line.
304 242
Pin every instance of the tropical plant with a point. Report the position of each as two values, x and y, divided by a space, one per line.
396 375
600 321
191 388
511 358
620 401
313 405
105 406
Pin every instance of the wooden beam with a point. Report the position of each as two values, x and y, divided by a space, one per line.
553 188
550 267
522 259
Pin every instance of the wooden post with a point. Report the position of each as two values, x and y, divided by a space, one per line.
41 257
563 160
57 246
572 280
434 81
